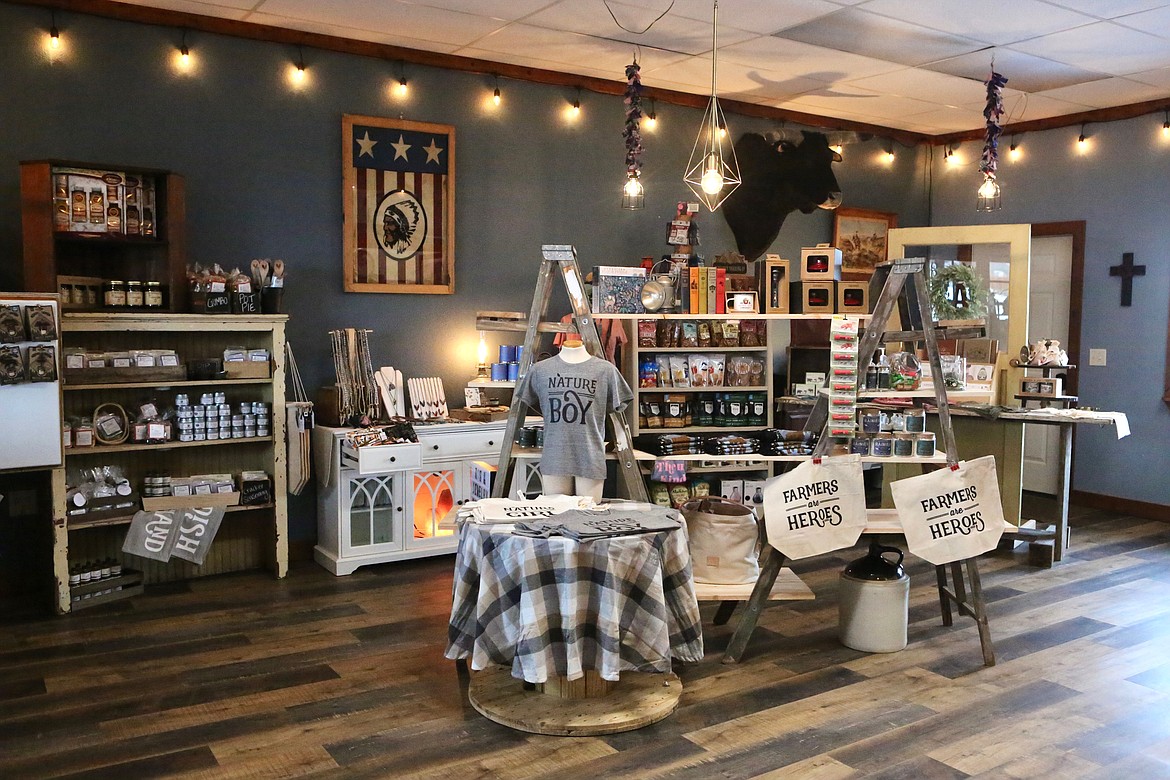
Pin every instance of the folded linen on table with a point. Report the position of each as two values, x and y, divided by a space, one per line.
508 510
584 525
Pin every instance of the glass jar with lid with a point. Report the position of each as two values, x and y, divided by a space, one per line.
114 294
153 296
134 295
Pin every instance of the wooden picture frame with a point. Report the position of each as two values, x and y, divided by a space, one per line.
398 199
862 237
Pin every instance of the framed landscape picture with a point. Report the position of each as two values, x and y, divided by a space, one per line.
860 234
398 198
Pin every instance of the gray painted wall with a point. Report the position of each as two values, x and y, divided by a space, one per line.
263 169
1119 189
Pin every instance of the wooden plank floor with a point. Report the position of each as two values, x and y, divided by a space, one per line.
245 676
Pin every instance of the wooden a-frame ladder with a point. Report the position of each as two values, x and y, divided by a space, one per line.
561 260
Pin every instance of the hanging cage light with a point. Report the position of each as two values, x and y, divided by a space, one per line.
712 171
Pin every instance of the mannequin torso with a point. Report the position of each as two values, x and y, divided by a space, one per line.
573 351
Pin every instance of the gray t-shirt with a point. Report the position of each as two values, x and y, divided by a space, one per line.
574 399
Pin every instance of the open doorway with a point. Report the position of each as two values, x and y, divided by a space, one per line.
1054 311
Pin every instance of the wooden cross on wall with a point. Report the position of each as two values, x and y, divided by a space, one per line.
1127 271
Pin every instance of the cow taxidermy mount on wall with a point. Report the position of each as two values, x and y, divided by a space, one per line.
778 177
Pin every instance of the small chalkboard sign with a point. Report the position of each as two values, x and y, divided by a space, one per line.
669 470
256 492
217 303
246 303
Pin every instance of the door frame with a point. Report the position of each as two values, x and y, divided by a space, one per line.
1076 293
1076 290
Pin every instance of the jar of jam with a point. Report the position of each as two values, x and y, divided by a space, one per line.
153 296
114 294
134 295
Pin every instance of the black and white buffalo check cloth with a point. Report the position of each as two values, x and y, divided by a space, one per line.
551 607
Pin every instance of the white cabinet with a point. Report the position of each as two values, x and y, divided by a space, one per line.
386 504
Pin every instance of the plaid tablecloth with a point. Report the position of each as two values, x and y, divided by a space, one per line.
556 607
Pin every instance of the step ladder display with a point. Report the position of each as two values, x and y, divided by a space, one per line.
906 284
560 260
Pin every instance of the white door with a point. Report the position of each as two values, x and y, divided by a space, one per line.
1047 318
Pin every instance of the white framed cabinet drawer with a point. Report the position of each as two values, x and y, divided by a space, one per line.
380 459
459 444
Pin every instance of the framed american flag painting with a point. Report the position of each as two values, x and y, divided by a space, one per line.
399 205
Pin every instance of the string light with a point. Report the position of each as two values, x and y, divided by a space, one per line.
949 156
298 72
1166 126
496 92
888 156
401 88
1014 152
53 41
650 121
1082 142
575 108
183 61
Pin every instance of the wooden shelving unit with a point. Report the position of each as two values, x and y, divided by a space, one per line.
252 536
50 253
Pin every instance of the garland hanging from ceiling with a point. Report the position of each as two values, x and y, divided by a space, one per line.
993 113
632 134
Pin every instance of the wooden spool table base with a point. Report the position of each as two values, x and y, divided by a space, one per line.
635 701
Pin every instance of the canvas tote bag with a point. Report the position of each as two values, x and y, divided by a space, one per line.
816 507
951 514
724 538
298 428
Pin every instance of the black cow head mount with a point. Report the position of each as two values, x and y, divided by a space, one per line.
778 177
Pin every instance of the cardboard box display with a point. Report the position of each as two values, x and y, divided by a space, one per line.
774 283
820 263
978 350
753 493
483 477
979 376
813 297
1049 387
732 490
852 298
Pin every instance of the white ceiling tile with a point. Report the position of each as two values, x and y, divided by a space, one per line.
1111 9
1107 92
1024 71
1154 22
874 105
356 34
990 21
879 37
1159 77
511 10
1025 108
800 59
368 16
222 9
569 49
670 32
1102 46
758 17
694 74
924 85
